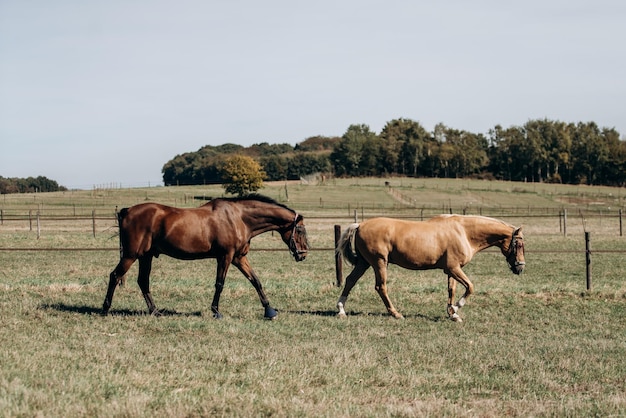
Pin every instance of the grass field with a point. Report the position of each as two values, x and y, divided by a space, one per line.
538 344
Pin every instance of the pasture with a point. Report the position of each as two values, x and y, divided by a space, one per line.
538 344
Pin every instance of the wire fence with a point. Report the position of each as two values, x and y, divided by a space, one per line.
73 219
34 220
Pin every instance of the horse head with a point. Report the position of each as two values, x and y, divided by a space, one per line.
296 238
515 254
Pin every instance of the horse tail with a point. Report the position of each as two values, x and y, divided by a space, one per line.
345 246
120 217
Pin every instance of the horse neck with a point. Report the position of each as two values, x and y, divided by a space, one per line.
267 217
488 233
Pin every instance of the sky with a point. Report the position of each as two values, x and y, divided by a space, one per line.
104 93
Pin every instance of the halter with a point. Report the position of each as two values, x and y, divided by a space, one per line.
513 250
292 242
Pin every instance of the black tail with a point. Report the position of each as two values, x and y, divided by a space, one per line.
121 281
120 217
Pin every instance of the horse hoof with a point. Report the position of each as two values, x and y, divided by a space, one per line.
217 315
342 315
270 313
456 318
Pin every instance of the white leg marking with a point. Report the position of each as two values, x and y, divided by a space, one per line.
461 302
340 303
452 313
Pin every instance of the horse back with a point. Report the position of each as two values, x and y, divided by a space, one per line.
181 233
413 244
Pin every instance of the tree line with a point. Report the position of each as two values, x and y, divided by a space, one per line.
38 184
539 151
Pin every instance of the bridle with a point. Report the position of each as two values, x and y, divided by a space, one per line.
293 248
515 244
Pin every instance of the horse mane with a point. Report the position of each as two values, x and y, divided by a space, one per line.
256 197
488 218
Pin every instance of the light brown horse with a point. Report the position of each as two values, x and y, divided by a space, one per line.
220 229
446 242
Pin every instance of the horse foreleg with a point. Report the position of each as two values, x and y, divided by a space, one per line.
143 280
220 277
359 269
380 271
454 276
244 267
452 309
114 279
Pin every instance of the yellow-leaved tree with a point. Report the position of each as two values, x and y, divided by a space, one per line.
242 175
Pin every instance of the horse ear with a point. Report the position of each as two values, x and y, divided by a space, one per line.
518 230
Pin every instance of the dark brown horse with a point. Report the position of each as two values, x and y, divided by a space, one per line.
220 229
446 242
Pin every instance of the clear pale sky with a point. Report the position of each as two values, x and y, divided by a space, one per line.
106 92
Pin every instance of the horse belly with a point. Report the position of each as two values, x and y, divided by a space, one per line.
186 245
416 253
413 261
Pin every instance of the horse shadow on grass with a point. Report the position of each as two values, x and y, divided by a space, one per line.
361 314
90 310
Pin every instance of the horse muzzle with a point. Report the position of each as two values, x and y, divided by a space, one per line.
518 267
299 255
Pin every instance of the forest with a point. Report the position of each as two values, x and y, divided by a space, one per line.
539 151
38 184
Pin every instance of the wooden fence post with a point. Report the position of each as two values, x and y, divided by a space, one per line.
38 226
620 223
588 258
565 222
93 222
338 259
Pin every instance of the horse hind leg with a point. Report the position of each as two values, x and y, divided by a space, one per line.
381 287
143 280
359 269
115 278
222 268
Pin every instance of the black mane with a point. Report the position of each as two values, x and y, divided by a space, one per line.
257 197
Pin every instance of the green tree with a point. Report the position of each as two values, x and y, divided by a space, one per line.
275 167
509 161
406 146
242 175
318 143
590 152
356 154
614 172
461 153
38 184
